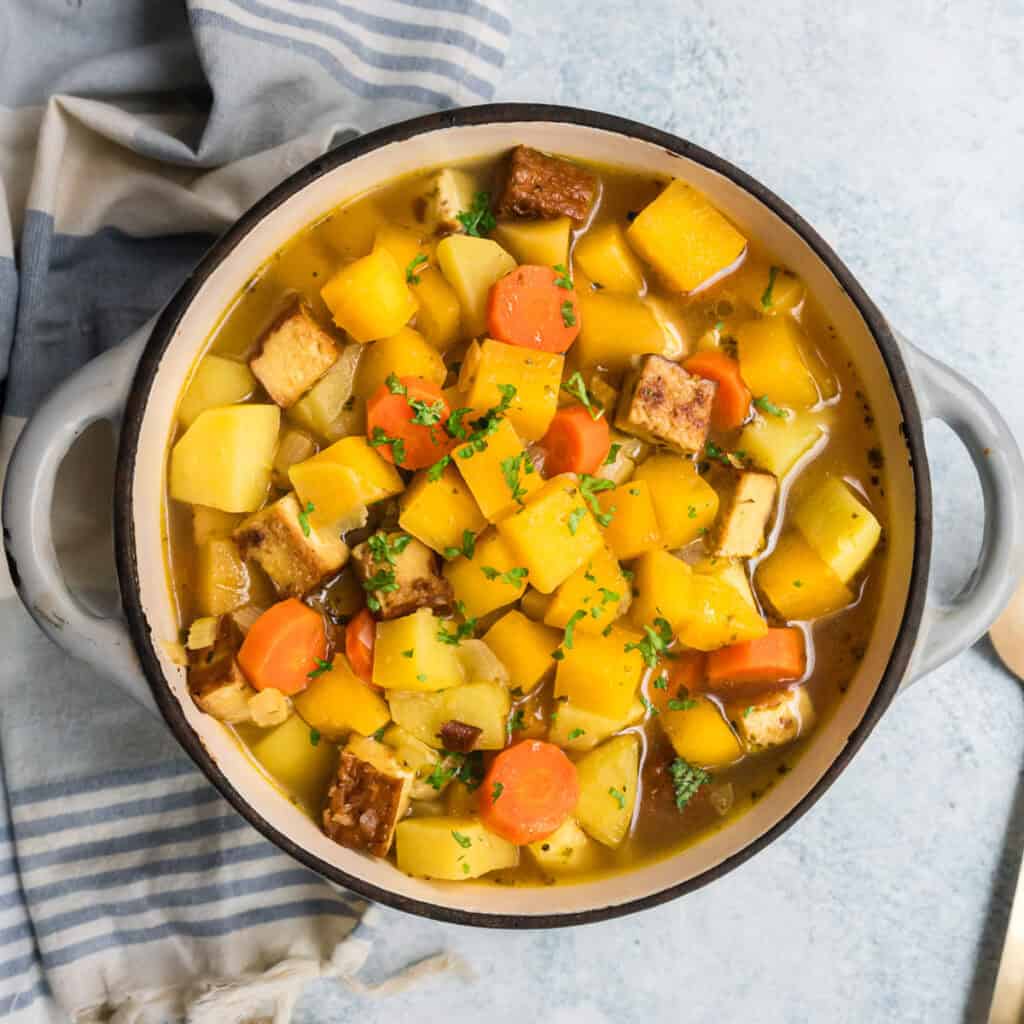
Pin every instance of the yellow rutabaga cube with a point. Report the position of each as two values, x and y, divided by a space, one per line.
410 250
405 354
337 702
225 458
633 527
370 298
489 580
439 317
471 266
553 534
605 257
838 527
539 242
535 375
439 512
776 443
568 850
717 616
221 577
797 583
410 656
216 382
488 473
598 588
728 570
303 768
684 502
700 733
329 409
211 522
613 329
483 705
609 780
598 674
767 288
342 480
451 848
685 238
661 590
771 361
575 728
524 647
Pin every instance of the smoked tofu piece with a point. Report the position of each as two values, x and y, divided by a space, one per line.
746 514
296 353
368 798
215 680
537 186
775 722
295 555
449 192
663 403
417 582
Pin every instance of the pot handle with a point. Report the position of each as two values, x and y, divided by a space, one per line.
948 629
96 392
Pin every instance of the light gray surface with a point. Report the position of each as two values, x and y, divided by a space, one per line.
896 129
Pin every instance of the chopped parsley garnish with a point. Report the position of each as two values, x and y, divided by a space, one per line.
510 469
575 386
570 626
608 597
563 280
379 438
514 577
435 471
304 517
517 723
655 642
652 710
765 404
558 654
468 546
618 796
498 789
314 737
747 711
476 441
590 488
379 734
428 414
575 734
691 511
712 451
568 314
408 653
798 583
661 683
683 704
478 219
411 277
421 676
462 632
766 298
395 386
575 516
385 549
467 768
321 667
381 582
464 841
613 454
686 780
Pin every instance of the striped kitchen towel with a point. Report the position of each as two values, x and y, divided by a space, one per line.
131 133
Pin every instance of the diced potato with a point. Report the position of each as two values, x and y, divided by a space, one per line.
598 674
303 768
539 534
405 354
778 444
626 452
451 848
294 446
370 298
420 759
485 477
777 721
440 316
728 570
211 522
432 665
605 257
614 329
838 527
797 583
439 512
609 780
535 375
471 265
542 243
269 707
568 850
328 409
685 239
448 193
216 382
575 728
480 582
342 480
484 705
221 577
684 502
224 459
770 290
405 246
338 702
524 648
481 664
718 615
598 588
662 590
633 528
771 361
701 735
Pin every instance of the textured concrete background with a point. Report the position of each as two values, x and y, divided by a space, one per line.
898 131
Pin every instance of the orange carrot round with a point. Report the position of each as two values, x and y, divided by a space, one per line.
283 646
529 790
676 678
360 637
732 399
779 656
530 308
575 442
405 421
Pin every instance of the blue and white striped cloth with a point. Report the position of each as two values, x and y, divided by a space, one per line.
131 133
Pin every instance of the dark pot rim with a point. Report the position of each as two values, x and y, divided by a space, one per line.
124 529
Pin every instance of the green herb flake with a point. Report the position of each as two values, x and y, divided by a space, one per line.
517 722
618 796
395 386
748 711
590 488
321 667
408 654
691 511
468 546
686 704
766 405
435 471
661 683
766 298
613 454
575 734
427 414
397 445
568 314
464 841
422 676
514 577
563 280
575 516
575 386
655 642
496 792
478 219
652 710
686 780
570 626
798 583
314 737
304 517
411 277
462 632
510 469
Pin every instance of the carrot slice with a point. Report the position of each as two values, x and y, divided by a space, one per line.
283 646
777 657
529 790
678 678
360 637
529 308
732 399
405 421
575 442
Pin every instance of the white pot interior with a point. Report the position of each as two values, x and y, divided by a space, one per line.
436 148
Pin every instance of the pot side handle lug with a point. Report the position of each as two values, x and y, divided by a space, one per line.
948 629
96 392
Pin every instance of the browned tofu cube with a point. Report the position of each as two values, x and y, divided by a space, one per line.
295 354
404 574
776 721
745 514
368 798
664 404
291 552
539 186
215 680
